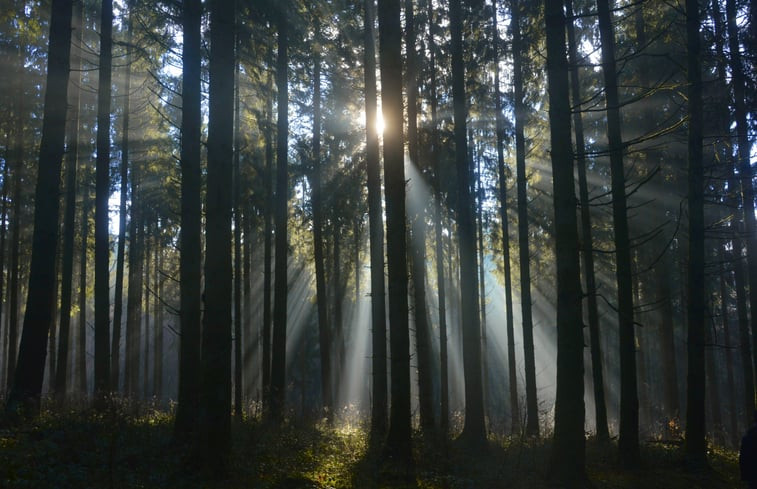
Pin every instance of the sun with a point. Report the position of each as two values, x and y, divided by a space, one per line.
380 126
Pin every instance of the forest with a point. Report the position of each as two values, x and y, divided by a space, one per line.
348 243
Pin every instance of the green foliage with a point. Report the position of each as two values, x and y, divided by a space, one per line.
126 445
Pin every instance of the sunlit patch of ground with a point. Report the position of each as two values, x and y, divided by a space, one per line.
130 447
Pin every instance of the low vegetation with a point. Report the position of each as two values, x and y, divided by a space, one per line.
127 446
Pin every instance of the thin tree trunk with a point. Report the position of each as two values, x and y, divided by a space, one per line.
696 444
324 333
134 295
157 365
482 277
474 430
532 407
744 163
725 314
81 360
238 340
509 322
268 230
418 234
376 230
600 407
115 358
628 441
278 346
441 293
102 194
72 160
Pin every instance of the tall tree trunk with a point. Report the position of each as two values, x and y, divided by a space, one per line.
600 407
744 163
102 194
509 322
266 357
696 444
278 346
628 441
568 451
532 407
238 339
324 333
474 430
481 275
147 317
190 258
376 230
115 349
157 365
72 160
27 383
667 338
439 245
81 354
398 444
418 233
134 295
13 285
745 346
733 427
215 399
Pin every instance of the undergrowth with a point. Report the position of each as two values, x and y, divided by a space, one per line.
127 446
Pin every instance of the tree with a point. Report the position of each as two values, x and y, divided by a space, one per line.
628 441
474 431
398 443
278 346
696 444
215 398
532 408
376 230
600 408
27 382
191 231
102 194
115 364
324 333
417 219
568 451
72 160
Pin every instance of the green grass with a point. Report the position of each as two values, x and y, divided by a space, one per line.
129 448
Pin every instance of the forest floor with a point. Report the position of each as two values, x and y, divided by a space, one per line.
122 448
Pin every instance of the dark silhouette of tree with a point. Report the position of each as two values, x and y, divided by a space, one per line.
102 194
376 231
568 451
474 430
27 381
72 160
696 444
278 345
398 444
532 408
191 231
628 441
215 397
115 358
600 407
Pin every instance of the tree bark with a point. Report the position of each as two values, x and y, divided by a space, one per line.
72 160
398 443
376 230
190 257
115 358
532 407
27 383
474 430
215 398
568 451
695 447
278 346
